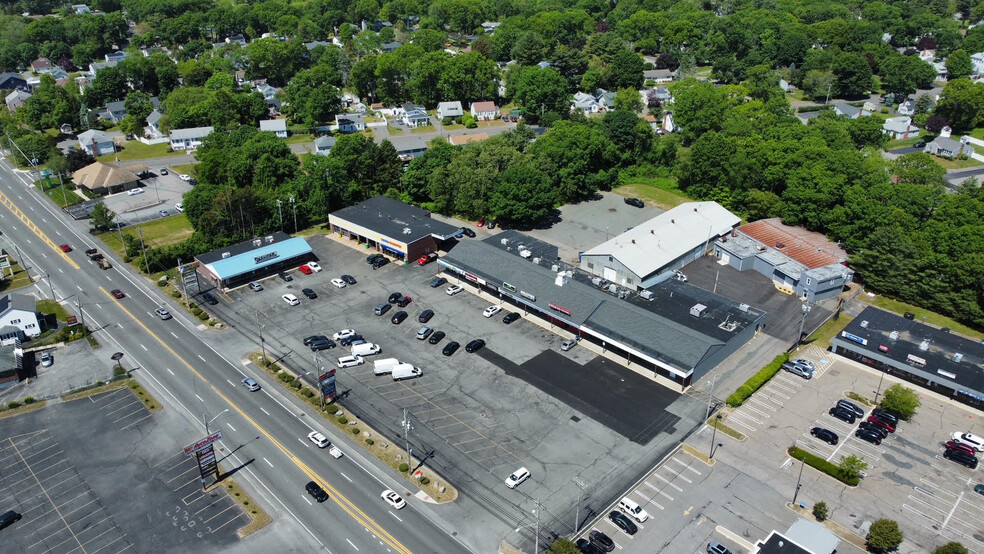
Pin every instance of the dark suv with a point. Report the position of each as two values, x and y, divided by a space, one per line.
961 458
350 339
602 541
854 408
885 416
623 522
842 414
316 491
826 435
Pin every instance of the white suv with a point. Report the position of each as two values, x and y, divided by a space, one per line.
492 310
318 439
349 361
517 477
973 441
453 290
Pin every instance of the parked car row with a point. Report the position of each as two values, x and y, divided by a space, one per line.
962 449
804 368
874 429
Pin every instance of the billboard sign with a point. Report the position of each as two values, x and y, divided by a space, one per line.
203 443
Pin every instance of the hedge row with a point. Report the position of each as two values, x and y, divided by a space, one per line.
756 381
829 468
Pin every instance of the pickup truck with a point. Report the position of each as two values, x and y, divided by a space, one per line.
93 254
103 263
334 451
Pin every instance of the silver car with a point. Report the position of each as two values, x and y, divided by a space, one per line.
568 344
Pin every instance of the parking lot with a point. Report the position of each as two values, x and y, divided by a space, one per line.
476 414
160 192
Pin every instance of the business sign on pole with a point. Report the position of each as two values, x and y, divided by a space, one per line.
327 382
203 443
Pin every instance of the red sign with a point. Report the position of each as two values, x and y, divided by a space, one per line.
192 448
71 320
470 277
559 309
326 375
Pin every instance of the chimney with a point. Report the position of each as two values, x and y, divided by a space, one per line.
95 148
673 221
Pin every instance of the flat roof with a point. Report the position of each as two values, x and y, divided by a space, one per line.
253 254
393 219
809 248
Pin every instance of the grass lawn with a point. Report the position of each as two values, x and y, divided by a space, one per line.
659 191
62 196
53 307
453 127
136 150
19 279
932 318
189 169
893 144
424 129
300 138
156 233
958 164
978 133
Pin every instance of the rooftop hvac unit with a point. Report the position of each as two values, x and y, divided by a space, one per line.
504 242
555 268
744 307
596 281
269 239
613 288
226 255
924 345
525 253
697 310
257 242
864 324
561 280
957 358
647 294
536 261
894 335
406 231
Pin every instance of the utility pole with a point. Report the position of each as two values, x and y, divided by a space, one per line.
798 482
78 302
48 277
710 395
281 211
143 250
406 432
577 508
293 206
806 310
262 343
536 548
714 435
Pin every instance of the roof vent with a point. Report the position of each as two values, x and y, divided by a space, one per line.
894 335
269 239
924 345
957 358
864 324
504 242
652 231
633 241
695 209
257 242
743 307
406 231
226 255
673 221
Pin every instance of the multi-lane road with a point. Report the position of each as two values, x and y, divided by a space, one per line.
198 373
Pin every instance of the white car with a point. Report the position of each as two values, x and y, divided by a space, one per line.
805 363
517 477
349 361
338 283
973 441
46 360
393 499
344 333
454 289
134 192
184 177
180 207
492 310
314 266
319 439
291 299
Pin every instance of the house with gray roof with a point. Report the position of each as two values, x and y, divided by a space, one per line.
449 109
350 123
153 123
188 139
606 100
408 147
276 126
18 318
96 142
94 67
946 147
901 127
845 109
390 47
415 116
16 99
324 144
12 81
584 102
659 76
115 111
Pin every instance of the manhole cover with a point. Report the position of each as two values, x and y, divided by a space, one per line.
575 419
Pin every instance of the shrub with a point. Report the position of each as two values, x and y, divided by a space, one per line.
118 370
285 377
175 294
192 305
162 282
343 420
29 400
203 316
404 468
307 392
755 382
196 311
823 465
355 431
370 442
952 548
296 384
820 511
13 404
884 535
424 480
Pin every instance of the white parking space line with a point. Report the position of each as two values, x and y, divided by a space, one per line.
762 404
731 419
200 398
230 382
677 473
759 412
264 411
686 465
744 413
660 491
268 462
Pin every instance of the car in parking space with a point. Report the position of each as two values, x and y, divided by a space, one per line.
426 258
313 266
164 213
454 289
316 491
349 361
351 339
870 436
65 248
163 171
255 286
585 546
305 269
117 293
714 547
371 258
343 334
474 346
480 222
961 458
436 337
382 308
973 441
320 440
339 283
623 522
601 540
570 343
872 427
251 385
954 445
492 310
349 279
826 435
517 477
886 416
291 299
450 348
380 262
881 423
393 499
313 338
46 359
209 299
184 177
319 345
394 296
425 316
437 281
163 313
403 301
635 202
180 207
424 332
285 276
398 317
805 363
797 369
852 407
309 293
468 232
842 414
134 192
979 489
510 317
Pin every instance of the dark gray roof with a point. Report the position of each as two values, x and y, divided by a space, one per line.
394 219
241 247
20 302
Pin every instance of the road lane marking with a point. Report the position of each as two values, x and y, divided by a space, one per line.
200 358
396 516
229 425
199 397
169 370
350 542
346 476
264 411
230 382
268 462
144 347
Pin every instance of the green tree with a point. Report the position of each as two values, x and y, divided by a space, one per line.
952 548
102 217
904 74
469 78
867 131
563 546
852 465
959 64
424 85
625 71
429 40
523 195
884 535
699 108
820 511
530 49
363 78
901 401
628 99
817 85
918 168
962 104
852 75
539 91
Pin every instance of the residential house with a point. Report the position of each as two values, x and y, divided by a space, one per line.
349 100
18 318
350 123
236 39
116 56
374 26
415 116
96 143
391 47
659 76
115 111
977 60
940 67
409 147
484 110
94 67
900 127
584 102
850 111
668 125
663 95
16 99
651 120
42 65
276 126
324 144
80 9
12 81
544 64
946 147
449 110
490 26
461 140
785 86
153 124
103 178
606 100
314 44
267 91
188 139
907 108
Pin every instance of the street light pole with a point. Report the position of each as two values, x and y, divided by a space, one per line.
48 277
798 482
880 379
293 206
536 548
211 420
143 250
280 210
806 310
714 435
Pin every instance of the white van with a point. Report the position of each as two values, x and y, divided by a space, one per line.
634 510
365 349
406 371
386 365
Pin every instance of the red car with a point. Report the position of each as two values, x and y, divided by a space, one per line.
65 248
881 423
427 258
305 270
117 293
961 447
481 221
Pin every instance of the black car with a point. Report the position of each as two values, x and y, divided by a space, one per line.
510 317
852 407
623 522
425 316
371 258
395 297
350 339
474 346
842 414
826 435
9 518
398 317
491 225
438 281
322 345
468 232
587 548
602 541
316 491
870 436
635 202
919 144
380 262
309 293
436 337
450 348
403 301
961 457
886 416
286 276
349 280
874 428
209 299
314 338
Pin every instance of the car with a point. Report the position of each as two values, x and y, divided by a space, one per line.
492 310
886 416
974 441
184 177
585 546
852 407
436 337
953 445
961 458
349 361
285 276
570 343
371 258
715 547
403 301
919 144
872 427
490 225
9 518
46 359
255 286
454 289
601 540
65 248
164 213
510 317
517 477
806 363
393 499
309 293
344 333
163 313
398 317
319 345
180 207
339 283
209 299
474 346
320 440
251 385
134 192
316 491
424 332
305 269
480 222
349 279
291 299
394 297
382 308
313 338
460 233
426 258
468 232
826 435
117 293
163 171
380 262
979 489
314 266
842 414
351 339
623 522
635 202
797 369
425 316
437 281
870 436
881 423
450 348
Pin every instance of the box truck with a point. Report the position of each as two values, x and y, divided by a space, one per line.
406 371
386 365
365 349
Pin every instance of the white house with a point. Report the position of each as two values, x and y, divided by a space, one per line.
153 123
449 109
946 147
907 108
484 110
96 142
188 139
18 318
668 124
278 126
900 128
350 123
659 76
978 62
324 144
415 116
584 102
